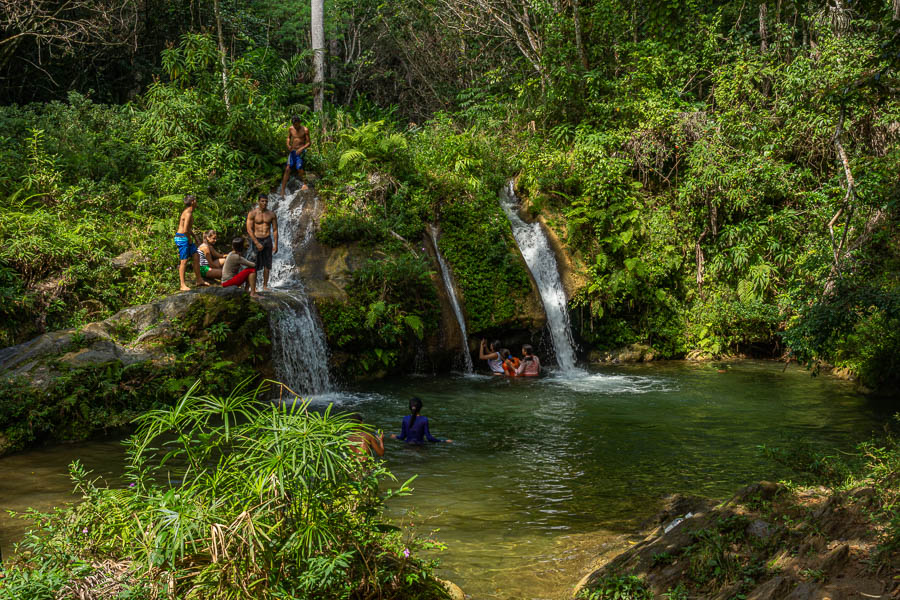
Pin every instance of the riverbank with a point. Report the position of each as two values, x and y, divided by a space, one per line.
770 541
546 475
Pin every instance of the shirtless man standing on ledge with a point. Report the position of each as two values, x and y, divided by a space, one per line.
187 251
297 143
262 226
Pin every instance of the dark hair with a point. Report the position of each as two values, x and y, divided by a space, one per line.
415 407
495 345
504 353
295 119
528 351
355 417
237 244
264 197
189 199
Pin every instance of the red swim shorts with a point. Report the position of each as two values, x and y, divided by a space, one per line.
240 278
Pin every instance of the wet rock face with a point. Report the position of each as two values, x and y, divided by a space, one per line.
626 354
326 272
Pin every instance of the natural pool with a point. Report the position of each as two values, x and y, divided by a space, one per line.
545 474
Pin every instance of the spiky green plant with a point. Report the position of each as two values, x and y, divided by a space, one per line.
234 497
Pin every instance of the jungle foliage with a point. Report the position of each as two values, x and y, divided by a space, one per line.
228 496
725 174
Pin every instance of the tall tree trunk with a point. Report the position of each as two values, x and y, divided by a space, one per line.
225 94
576 10
897 10
763 31
318 46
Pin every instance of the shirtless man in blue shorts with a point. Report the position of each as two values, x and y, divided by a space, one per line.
297 143
186 249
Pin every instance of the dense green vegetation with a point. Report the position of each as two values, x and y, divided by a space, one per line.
724 175
227 497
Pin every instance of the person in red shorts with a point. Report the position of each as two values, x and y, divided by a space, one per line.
233 274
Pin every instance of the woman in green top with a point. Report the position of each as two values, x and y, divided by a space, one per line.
211 262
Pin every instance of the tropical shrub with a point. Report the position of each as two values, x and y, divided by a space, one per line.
228 497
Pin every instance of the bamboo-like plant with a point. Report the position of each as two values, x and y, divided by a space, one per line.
234 497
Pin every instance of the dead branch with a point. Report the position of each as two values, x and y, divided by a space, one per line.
61 26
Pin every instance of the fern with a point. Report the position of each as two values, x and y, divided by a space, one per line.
415 323
349 157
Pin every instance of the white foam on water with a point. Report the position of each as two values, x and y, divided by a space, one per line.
541 261
608 384
336 398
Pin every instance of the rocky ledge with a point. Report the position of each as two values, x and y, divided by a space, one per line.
72 384
131 336
768 542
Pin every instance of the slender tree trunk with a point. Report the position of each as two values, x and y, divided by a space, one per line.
576 10
897 10
318 46
225 94
763 31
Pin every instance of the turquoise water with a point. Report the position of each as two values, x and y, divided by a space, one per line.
545 475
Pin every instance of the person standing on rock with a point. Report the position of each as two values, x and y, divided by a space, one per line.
297 143
262 226
186 248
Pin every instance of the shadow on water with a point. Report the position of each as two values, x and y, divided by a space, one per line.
546 475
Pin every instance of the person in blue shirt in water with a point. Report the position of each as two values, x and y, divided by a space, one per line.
415 427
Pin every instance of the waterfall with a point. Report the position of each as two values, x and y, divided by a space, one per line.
451 291
541 262
300 354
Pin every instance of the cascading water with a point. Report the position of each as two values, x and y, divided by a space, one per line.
451 291
541 262
300 354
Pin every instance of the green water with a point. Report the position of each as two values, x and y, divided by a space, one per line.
545 475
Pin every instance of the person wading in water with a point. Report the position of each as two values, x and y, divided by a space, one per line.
262 226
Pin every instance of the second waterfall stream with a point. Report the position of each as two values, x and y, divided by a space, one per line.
541 261
451 292
299 350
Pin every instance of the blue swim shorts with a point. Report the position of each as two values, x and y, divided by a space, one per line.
296 160
185 248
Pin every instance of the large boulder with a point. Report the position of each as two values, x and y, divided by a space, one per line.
72 384
133 335
325 270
